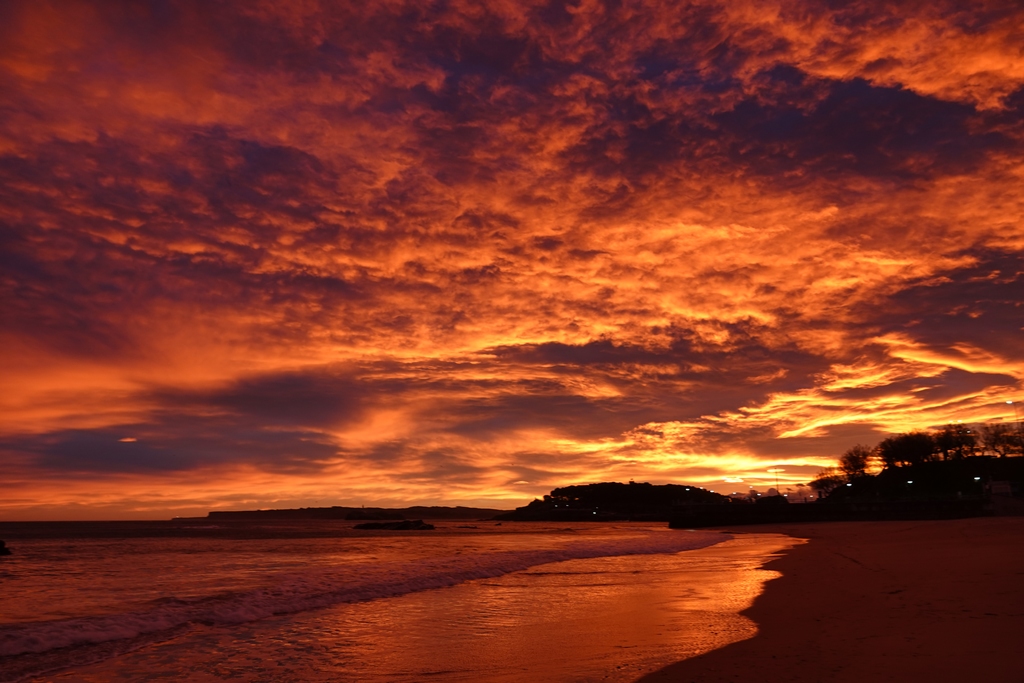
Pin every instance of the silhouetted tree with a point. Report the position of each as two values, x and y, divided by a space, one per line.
999 438
854 462
906 449
829 479
955 441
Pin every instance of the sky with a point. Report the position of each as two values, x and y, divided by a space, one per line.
282 254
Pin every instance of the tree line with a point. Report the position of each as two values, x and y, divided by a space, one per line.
955 441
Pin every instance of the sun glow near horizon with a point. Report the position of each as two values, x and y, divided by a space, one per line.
502 250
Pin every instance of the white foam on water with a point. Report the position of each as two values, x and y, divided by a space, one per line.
325 586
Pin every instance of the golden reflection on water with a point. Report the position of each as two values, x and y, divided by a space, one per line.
607 619
603 619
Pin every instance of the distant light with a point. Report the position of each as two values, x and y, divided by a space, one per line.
595 513
128 439
977 479
910 481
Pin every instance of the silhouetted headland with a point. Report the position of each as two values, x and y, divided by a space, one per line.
4 550
614 501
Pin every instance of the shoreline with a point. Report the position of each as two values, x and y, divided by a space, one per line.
881 601
585 615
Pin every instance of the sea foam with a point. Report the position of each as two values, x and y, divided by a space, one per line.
325 586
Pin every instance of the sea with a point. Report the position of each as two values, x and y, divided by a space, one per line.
319 600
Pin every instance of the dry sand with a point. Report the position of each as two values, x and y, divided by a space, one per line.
882 601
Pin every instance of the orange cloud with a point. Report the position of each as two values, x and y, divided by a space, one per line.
399 254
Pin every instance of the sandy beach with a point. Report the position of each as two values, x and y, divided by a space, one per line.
882 601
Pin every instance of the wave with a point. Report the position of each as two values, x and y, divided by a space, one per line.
322 587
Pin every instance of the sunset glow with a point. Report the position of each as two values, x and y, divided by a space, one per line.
281 254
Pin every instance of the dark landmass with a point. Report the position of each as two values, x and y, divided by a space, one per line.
952 489
404 525
4 550
613 501
360 513
974 477
949 489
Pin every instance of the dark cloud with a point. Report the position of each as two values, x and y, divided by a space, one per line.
857 129
979 304
177 443
453 246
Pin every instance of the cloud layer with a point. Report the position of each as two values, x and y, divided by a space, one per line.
408 252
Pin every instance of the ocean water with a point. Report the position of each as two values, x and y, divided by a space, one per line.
321 601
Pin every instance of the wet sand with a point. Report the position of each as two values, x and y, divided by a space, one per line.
608 618
882 601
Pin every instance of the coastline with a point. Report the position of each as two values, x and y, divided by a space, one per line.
614 601
881 601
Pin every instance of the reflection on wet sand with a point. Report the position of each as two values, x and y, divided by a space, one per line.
601 619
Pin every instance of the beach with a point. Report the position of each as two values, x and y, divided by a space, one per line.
882 601
321 601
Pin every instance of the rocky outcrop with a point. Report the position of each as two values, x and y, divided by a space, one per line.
3 549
